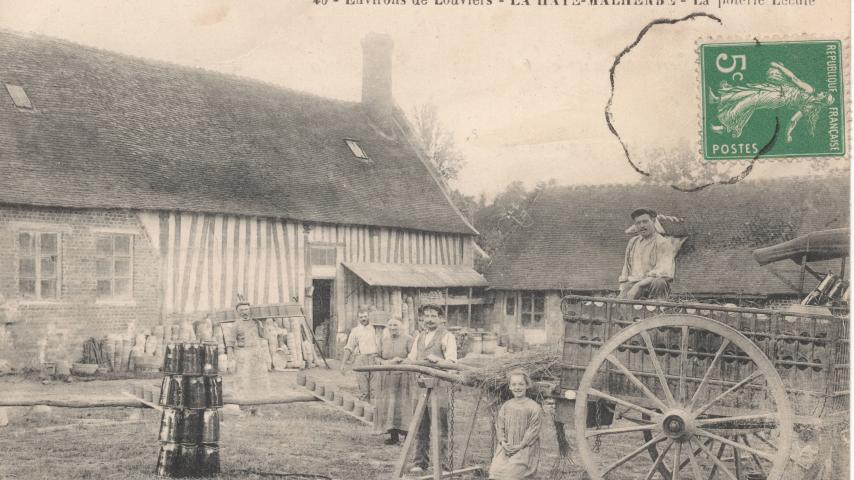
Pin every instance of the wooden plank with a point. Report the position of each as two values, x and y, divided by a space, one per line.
331 403
414 423
453 473
144 402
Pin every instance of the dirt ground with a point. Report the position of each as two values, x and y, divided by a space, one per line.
297 438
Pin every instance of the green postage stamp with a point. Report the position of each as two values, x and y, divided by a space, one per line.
783 99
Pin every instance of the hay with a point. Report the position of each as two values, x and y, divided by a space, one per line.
541 364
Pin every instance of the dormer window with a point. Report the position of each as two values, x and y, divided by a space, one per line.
19 96
356 149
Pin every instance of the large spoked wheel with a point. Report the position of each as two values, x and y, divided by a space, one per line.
708 405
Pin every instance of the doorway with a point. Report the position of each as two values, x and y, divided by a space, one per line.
321 302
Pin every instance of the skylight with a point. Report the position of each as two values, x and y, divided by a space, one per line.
19 96
356 149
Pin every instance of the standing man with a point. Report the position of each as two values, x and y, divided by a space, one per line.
433 345
648 268
362 344
252 353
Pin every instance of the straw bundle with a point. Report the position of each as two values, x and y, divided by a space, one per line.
540 364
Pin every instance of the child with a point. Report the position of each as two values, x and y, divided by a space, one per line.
517 429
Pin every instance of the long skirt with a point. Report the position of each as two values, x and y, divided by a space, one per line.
252 379
394 402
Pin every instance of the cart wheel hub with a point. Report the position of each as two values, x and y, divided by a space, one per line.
676 425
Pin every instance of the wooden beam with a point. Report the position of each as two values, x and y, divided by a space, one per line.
469 309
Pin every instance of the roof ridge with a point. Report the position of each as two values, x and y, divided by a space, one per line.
155 62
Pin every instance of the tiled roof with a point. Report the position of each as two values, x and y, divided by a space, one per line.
576 238
113 131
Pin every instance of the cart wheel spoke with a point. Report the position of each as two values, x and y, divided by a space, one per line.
625 403
692 457
729 442
765 440
683 359
677 458
736 458
634 453
612 431
708 373
658 371
658 460
643 388
697 451
719 465
749 379
738 418
755 458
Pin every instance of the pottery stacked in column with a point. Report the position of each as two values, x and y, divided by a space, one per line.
191 396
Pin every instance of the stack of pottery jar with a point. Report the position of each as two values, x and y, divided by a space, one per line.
191 396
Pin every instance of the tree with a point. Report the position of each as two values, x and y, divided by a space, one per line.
682 167
436 142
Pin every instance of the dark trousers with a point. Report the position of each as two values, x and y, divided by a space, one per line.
422 450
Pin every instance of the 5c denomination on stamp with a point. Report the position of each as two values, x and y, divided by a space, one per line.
784 99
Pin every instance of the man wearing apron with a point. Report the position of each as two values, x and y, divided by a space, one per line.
433 345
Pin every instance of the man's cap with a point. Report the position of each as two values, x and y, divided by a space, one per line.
434 306
434 300
241 300
644 211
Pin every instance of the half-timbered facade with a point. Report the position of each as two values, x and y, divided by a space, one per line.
136 192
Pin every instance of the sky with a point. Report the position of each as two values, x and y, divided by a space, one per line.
522 89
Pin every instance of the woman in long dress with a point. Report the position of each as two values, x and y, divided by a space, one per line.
394 403
517 428
783 90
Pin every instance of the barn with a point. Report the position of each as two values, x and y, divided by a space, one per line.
573 242
135 192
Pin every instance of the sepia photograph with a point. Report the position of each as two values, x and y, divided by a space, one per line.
425 239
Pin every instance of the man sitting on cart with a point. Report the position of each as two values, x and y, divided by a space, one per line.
648 268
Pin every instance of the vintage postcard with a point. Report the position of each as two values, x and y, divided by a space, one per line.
425 239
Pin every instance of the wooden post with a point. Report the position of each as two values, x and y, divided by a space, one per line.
413 433
435 450
447 314
307 305
469 307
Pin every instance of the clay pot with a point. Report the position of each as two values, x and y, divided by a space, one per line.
301 379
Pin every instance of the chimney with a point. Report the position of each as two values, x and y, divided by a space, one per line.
376 79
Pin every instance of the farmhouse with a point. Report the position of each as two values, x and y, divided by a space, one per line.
135 191
574 242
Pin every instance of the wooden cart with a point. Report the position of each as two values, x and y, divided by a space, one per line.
672 390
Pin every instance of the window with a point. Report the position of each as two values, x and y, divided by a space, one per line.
533 309
38 265
323 256
356 149
19 96
510 304
114 265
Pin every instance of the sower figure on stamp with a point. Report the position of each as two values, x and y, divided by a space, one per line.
362 344
649 267
435 344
